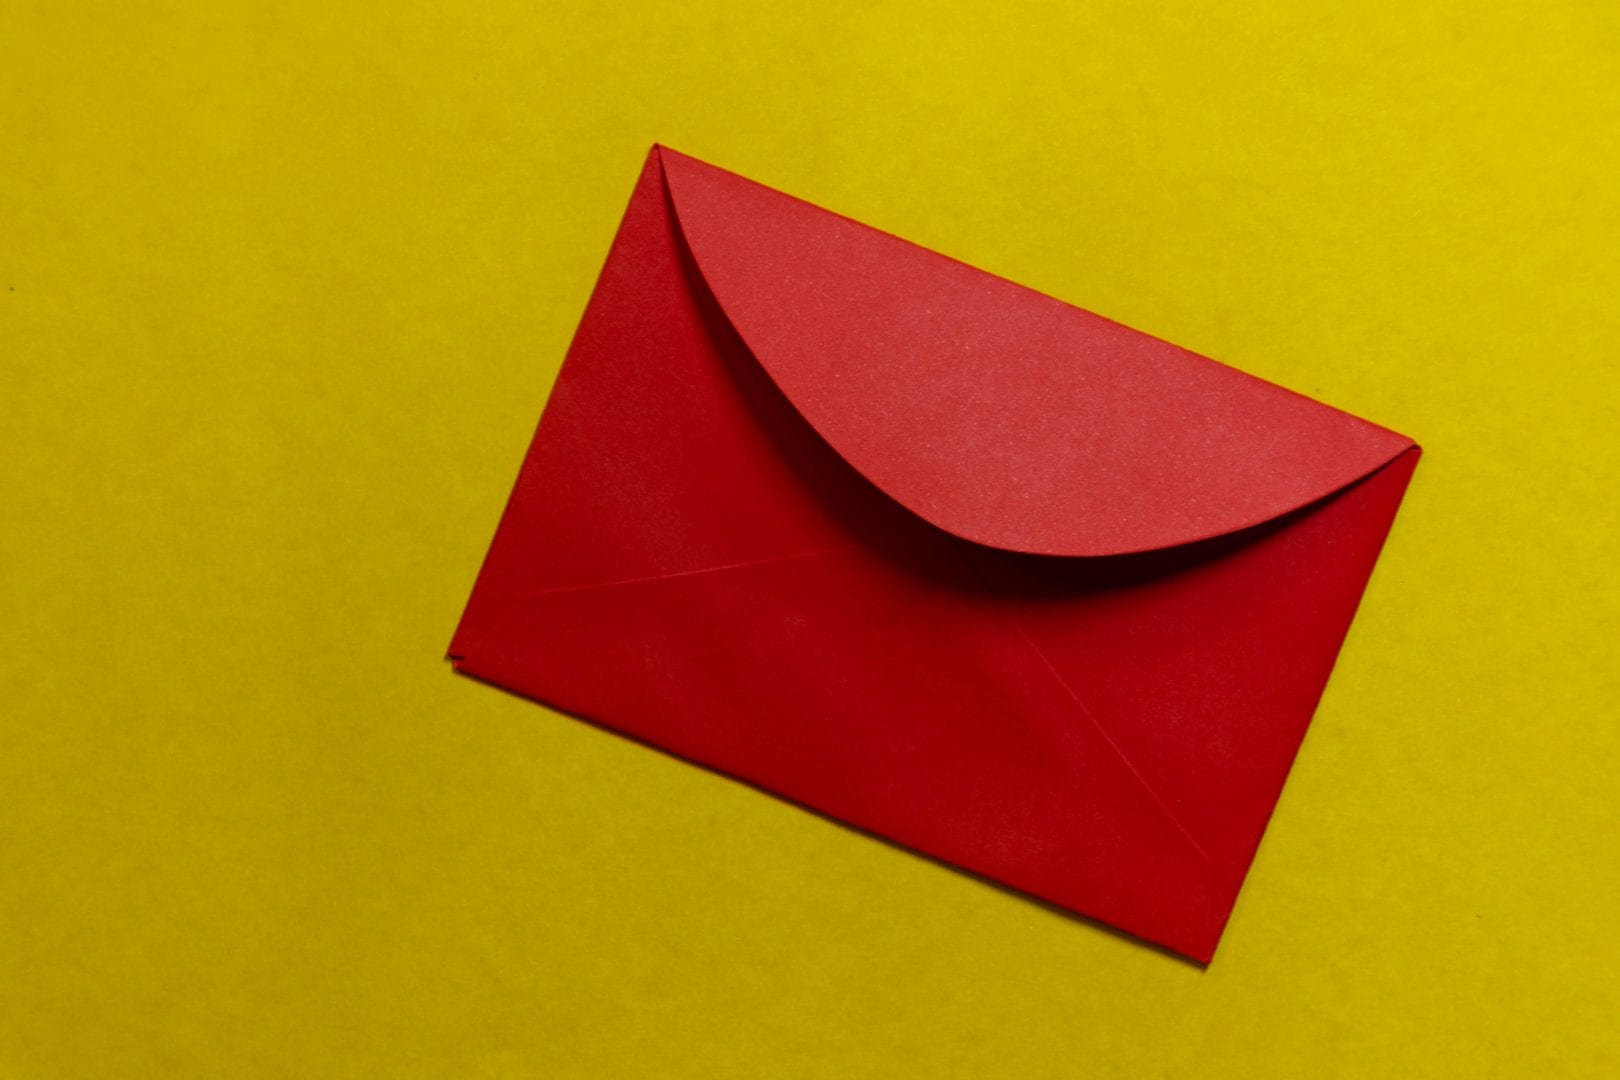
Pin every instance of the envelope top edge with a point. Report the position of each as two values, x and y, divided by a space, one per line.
995 412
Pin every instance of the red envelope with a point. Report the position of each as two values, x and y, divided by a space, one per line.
935 555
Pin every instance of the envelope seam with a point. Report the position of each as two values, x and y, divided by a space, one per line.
691 573
516 602
1109 739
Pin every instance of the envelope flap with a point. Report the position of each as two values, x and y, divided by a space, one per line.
995 412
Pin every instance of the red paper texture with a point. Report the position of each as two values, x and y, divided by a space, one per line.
984 574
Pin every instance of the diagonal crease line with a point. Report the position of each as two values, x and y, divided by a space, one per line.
692 573
515 604
1109 739
1096 724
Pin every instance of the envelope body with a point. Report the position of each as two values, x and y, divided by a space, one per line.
983 574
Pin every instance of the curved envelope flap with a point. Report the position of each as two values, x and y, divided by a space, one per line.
995 412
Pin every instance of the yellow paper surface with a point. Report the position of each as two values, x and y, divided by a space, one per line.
282 287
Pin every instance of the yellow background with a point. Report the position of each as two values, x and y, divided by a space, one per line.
281 291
